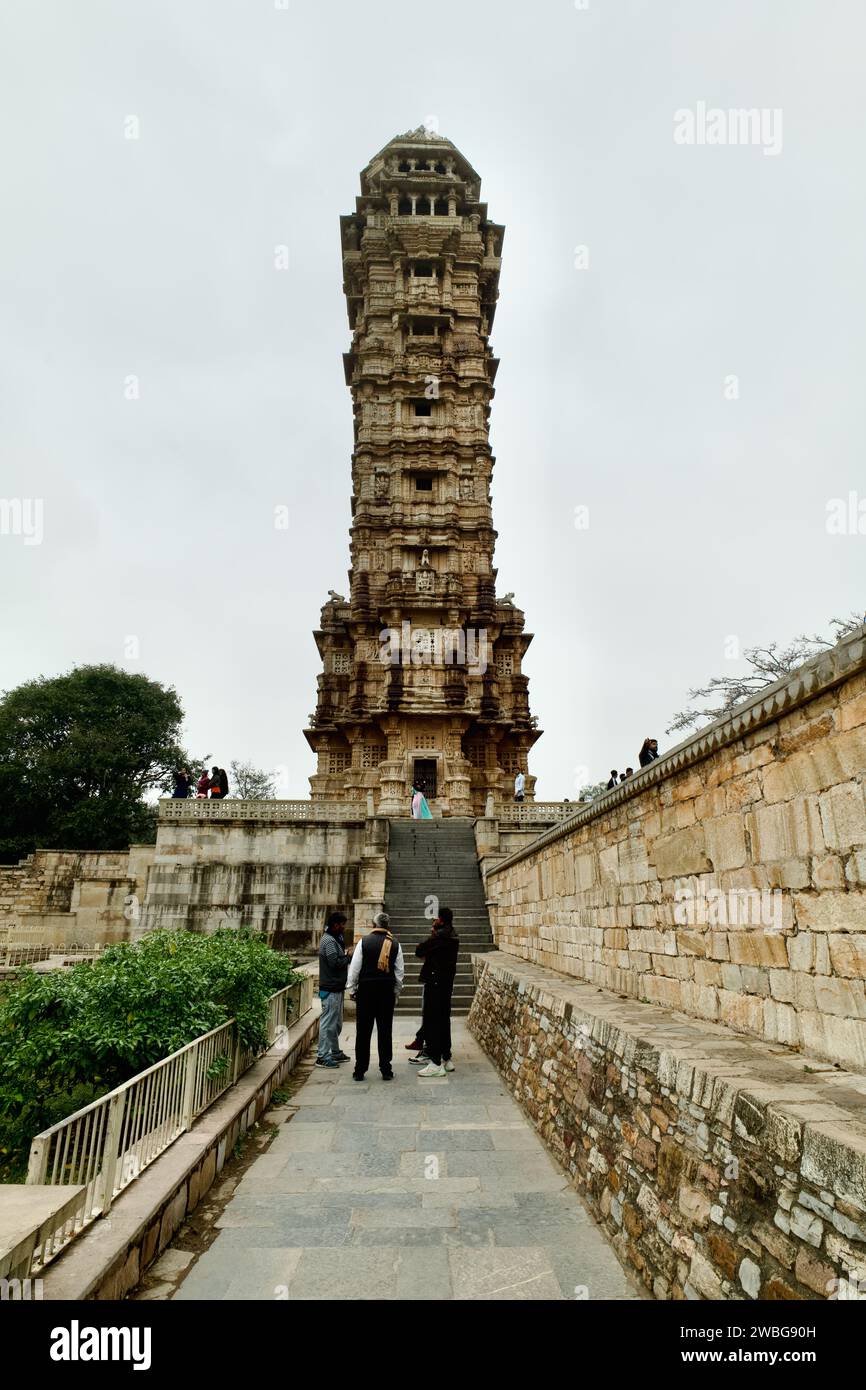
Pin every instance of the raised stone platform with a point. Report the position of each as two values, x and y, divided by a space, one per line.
721 1167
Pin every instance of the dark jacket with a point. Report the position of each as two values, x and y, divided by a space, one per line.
648 756
333 964
439 953
371 949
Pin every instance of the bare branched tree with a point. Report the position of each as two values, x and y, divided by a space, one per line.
592 790
768 664
252 783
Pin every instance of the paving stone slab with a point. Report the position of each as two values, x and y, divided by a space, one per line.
456 1140
496 1275
418 1190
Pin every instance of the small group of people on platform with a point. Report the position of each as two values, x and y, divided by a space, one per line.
648 754
215 785
373 974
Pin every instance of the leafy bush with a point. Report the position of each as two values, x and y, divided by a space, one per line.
69 1036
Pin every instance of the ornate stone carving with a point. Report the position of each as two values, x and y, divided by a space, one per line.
420 419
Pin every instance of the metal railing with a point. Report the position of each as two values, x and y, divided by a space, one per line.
107 1144
15 953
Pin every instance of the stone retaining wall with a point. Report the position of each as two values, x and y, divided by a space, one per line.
60 897
720 1167
728 879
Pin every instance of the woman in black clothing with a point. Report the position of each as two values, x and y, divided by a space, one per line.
182 781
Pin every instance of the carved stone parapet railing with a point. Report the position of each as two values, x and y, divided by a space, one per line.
532 812
195 811
822 673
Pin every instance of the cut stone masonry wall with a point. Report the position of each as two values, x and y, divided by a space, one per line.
726 880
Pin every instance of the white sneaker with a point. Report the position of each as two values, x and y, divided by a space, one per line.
431 1069
449 1065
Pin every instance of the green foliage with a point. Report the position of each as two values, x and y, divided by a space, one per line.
78 755
69 1036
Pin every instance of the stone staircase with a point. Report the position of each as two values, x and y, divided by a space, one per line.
436 858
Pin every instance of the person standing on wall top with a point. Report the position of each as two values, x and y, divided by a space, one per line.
216 788
224 781
375 981
519 786
439 954
649 752
182 783
333 973
202 786
614 778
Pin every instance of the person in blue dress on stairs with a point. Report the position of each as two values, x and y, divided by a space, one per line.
420 809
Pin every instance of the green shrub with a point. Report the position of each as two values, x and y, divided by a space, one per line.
69 1036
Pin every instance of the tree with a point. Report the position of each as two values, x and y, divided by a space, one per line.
768 664
251 783
592 790
78 755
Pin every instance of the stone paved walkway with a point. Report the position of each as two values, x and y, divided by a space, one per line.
415 1189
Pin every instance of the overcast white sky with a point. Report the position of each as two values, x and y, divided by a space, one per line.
154 258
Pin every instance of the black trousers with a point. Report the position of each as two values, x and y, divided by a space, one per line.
436 1023
375 1004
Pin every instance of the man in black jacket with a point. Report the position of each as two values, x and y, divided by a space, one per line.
333 970
439 953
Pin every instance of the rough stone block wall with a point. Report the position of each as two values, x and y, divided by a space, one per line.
727 880
720 1167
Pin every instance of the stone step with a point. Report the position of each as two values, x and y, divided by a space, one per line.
426 857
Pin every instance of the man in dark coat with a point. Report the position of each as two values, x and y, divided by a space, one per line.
333 972
439 954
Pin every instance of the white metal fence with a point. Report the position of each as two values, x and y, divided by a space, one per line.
107 1144
15 953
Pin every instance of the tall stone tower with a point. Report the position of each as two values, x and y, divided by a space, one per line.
422 680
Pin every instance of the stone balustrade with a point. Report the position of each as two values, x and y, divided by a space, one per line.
533 812
195 810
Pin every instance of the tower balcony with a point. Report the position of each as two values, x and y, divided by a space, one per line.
424 292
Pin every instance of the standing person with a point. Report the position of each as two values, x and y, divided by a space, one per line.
629 772
420 809
224 781
649 752
614 778
375 980
333 973
519 786
417 1043
439 954
182 783
216 788
202 786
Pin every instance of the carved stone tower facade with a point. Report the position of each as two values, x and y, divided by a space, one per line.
422 664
